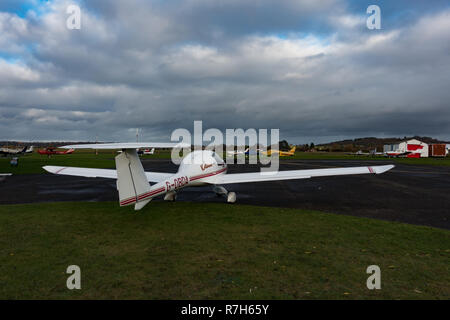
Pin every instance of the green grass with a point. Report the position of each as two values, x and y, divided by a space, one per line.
33 163
214 251
29 164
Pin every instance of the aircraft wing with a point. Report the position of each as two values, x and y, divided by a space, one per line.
128 145
4 175
102 173
297 174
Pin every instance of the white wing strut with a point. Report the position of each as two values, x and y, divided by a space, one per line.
296 174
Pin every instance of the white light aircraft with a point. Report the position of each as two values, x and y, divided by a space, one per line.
198 168
16 151
373 152
237 152
147 151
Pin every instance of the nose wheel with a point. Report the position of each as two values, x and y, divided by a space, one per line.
221 191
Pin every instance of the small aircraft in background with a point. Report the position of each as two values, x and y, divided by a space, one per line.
15 151
280 153
30 149
198 168
142 152
373 152
237 152
397 154
148 151
52 151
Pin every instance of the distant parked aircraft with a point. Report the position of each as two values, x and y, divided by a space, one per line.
397 154
15 151
142 152
51 151
371 153
237 152
280 153
148 151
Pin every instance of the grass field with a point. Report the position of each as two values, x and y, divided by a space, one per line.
33 163
214 251
29 164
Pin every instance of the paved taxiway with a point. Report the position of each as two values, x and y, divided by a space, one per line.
407 193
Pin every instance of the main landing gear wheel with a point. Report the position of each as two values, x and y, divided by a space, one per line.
221 191
231 198
170 196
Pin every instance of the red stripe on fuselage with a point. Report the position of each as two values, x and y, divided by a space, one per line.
142 196
128 201
151 193
207 175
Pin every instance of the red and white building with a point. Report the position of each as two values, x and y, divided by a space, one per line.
411 149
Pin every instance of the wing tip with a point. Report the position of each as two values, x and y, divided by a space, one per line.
53 169
383 169
48 168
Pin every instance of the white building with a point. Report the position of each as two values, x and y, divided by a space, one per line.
411 149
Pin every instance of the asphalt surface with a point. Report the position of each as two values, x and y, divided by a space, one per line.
412 194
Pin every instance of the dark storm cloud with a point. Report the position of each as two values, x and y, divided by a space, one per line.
310 68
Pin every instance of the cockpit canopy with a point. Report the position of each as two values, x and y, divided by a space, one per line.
201 157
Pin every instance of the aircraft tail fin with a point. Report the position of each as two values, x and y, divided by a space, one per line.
293 149
132 182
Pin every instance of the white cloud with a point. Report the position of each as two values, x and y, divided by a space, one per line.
138 65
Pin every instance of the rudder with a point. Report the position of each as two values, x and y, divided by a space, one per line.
131 179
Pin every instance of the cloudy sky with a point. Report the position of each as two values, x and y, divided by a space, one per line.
311 68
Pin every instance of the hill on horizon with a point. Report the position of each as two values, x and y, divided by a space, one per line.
369 143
